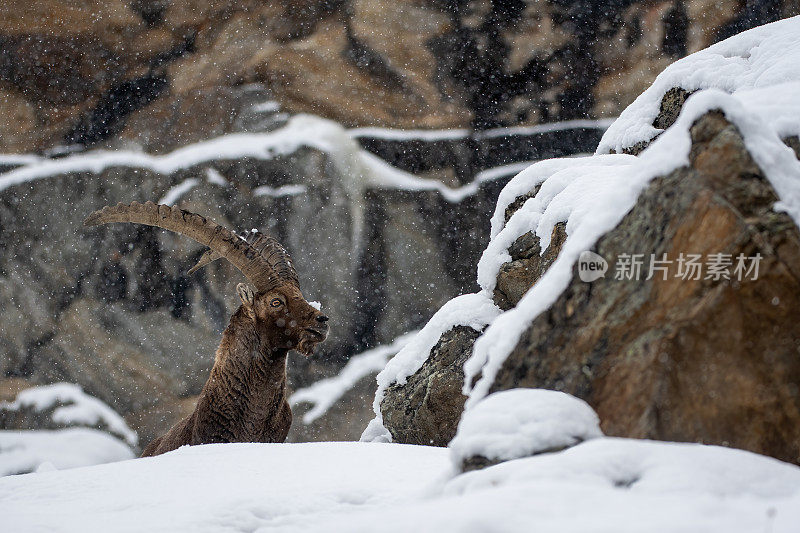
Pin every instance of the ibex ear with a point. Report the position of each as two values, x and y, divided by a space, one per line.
247 296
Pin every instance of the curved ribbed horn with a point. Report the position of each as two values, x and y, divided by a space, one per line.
264 262
275 254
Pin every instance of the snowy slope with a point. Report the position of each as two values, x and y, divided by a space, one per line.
28 451
234 487
605 484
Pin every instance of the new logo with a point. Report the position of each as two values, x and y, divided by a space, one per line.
591 266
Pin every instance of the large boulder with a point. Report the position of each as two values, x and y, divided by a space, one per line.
671 359
683 359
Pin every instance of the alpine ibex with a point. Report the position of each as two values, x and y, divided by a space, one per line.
244 399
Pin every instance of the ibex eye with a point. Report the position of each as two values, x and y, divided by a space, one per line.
275 302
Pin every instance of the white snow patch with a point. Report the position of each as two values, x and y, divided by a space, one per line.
358 168
644 466
384 176
79 408
548 127
19 159
283 190
175 193
522 422
501 171
473 310
301 130
316 305
215 177
556 177
391 134
325 393
604 484
270 106
41 451
534 174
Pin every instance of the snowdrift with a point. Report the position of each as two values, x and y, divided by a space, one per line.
601 485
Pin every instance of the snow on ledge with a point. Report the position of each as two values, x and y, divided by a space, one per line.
175 193
358 166
79 408
391 134
385 176
293 189
763 57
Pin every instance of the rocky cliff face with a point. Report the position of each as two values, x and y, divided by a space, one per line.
668 357
163 74
114 310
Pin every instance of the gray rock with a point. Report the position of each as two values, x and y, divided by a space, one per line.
426 409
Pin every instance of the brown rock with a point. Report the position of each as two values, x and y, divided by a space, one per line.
712 361
527 265
17 121
677 359
671 105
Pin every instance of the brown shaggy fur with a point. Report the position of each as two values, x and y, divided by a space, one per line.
244 399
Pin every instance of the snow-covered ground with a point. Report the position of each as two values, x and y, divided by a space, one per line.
604 484
42 450
77 444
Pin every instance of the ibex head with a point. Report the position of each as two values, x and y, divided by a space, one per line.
277 307
284 318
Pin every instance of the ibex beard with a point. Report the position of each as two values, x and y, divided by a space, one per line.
244 399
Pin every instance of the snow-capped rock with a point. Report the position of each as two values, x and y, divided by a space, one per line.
657 350
519 423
